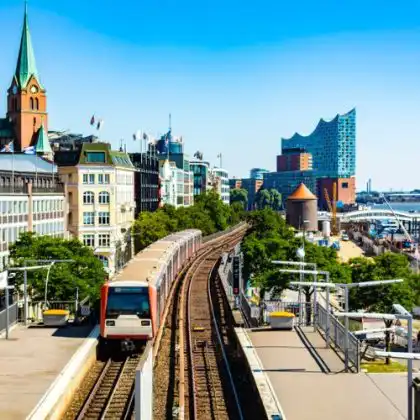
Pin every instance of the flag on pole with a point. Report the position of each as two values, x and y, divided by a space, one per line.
30 150
137 135
8 148
145 136
92 120
100 124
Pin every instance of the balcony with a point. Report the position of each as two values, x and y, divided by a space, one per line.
57 188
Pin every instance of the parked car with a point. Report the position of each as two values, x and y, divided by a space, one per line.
345 237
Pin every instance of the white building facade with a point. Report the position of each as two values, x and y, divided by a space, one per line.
176 185
219 180
31 200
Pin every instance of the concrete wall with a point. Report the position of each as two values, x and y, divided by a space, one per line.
144 385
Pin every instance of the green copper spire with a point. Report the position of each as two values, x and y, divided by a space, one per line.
42 144
26 66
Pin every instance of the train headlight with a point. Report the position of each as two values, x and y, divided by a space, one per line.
145 323
110 323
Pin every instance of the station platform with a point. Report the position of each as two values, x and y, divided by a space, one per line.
30 361
295 386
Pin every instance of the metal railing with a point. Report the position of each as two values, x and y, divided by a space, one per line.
338 334
293 307
13 316
222 232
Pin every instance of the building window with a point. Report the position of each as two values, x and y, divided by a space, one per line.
89 240
88 178
104 217
88 218
104 197
31 101
88 197
36 104
345 185
104 260
104 240
34 121
103 179
95 157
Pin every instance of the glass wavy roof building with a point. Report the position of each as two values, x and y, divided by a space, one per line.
332 145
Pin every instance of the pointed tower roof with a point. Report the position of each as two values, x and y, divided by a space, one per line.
302 192
26 65
42 144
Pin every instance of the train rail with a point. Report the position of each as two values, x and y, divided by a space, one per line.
205 389
112 393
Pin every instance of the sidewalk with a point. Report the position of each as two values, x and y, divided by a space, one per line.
305 392
329 356
29 363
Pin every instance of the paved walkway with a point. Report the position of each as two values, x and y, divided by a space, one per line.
30 361
329 357
304 392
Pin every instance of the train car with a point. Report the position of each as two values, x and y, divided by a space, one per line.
133 302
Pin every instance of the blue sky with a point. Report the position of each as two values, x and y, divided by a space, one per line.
236 76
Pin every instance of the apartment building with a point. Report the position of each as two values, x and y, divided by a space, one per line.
100 184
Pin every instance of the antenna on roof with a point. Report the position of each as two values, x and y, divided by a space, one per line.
170 122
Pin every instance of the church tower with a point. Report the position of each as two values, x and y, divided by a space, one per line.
26 99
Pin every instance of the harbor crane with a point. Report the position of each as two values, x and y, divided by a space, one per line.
400 224
332 207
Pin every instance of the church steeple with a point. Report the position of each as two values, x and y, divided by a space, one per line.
27 99
26 65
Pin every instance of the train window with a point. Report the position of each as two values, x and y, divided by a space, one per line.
128 301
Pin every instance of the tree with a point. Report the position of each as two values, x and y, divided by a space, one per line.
270 238
381 298
239 195
276 201
149 227
86 272
263 199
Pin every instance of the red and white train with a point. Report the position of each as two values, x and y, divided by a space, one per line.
132 304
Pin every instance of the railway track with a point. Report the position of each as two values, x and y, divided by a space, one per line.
193 372
111 397
205 373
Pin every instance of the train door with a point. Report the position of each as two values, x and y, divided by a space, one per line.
168 278
162 295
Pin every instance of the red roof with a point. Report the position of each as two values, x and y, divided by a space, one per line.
301 193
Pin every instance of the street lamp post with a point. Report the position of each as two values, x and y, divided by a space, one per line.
7 288
301 265
346 287
25 279
25 286
406 316
314 273
327 285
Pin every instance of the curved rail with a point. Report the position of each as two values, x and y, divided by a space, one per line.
204 349
222 347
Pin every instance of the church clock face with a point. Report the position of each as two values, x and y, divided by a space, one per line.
14 90
34 89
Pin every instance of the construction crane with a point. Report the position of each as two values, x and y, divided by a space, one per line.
332 207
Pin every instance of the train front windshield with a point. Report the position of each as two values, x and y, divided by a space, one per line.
128 301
